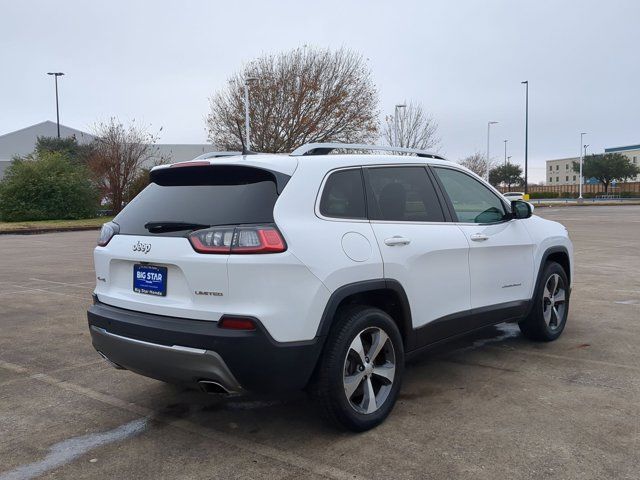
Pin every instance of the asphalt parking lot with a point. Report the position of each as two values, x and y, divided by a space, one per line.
492 406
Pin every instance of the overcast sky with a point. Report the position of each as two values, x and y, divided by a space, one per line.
158 62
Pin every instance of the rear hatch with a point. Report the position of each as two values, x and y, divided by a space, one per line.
151 263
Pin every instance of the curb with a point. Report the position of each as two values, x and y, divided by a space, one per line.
38 231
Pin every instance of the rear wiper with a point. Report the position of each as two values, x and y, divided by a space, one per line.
169 226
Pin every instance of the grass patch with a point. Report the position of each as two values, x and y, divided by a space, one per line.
53 224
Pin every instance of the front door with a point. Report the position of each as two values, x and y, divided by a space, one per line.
500 248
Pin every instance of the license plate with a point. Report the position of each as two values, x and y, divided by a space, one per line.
150 280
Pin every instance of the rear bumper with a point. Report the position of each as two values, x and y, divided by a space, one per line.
186 351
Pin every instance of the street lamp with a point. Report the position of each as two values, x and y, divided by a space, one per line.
56 75
526 139
247 128
395 122
581 159
505 152
488 146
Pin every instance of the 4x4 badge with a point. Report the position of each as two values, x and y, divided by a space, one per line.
141 247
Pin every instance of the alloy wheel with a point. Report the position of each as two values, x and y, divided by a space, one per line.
369 370
554 301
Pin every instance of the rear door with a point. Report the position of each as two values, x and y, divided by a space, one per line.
426 254
501 249
151 266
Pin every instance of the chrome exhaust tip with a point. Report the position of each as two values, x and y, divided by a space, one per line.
113 364
212 387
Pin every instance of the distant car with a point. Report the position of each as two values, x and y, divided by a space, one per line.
513 196
262 273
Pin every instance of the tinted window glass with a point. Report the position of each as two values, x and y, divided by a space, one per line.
201 195
472 201
343 195
403 194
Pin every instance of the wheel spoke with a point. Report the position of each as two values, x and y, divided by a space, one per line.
559 298
357 347
379 339
556 315
387 371
352 382
554 280
369 399
546 313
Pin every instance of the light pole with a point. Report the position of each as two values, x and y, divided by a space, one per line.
488 147
395 123
247 128
505 153
526 139
581 158
56 75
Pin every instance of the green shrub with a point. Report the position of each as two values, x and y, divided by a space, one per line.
629 194
46 187
540 195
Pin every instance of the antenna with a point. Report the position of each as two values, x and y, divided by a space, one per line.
244 147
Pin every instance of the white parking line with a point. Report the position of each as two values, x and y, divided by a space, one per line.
80 285
31 290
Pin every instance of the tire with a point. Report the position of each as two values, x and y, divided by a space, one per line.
345 367
550 309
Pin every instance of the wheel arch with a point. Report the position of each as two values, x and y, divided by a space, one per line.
386 294
559 254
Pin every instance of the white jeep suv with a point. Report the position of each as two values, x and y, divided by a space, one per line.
257 273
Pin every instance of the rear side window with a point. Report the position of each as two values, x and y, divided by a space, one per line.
403 194
211 195
472 201
343 195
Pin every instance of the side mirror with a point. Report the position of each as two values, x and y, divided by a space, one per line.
521 209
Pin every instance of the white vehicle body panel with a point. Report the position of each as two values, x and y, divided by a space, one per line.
501 264
433 268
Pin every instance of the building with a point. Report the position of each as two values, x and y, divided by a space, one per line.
560 171
632 152
23 141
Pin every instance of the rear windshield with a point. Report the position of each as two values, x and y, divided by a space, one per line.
220 195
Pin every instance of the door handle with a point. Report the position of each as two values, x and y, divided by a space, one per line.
479 237
397 240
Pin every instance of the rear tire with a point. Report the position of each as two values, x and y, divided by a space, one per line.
360 370
550 309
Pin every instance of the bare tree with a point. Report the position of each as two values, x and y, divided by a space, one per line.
301 96
415 129
477 163
120 152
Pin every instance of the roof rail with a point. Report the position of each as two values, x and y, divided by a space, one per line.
325 148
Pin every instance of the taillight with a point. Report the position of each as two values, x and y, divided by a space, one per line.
239 239
107 232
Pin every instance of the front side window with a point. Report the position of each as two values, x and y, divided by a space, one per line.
472 201
343 195
402 194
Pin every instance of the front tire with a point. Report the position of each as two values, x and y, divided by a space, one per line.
360 371
548 316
